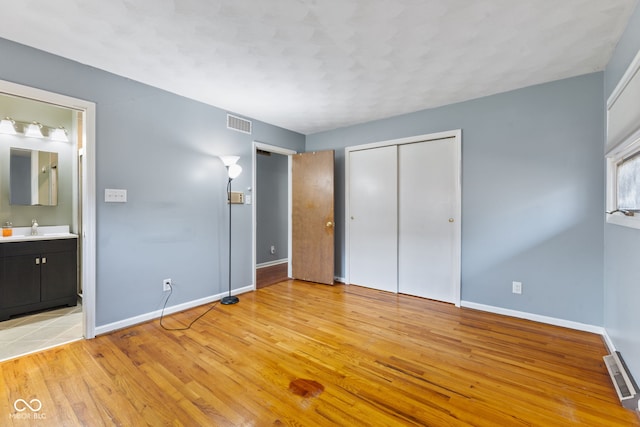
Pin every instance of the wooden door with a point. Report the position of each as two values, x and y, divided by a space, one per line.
373 218
312 255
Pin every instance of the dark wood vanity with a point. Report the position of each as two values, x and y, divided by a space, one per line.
37 274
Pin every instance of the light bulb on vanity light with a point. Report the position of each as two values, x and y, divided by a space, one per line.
8 126
34 130
59 134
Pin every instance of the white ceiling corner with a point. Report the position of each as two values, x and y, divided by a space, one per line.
311 65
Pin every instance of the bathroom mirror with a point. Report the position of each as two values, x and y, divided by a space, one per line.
33 177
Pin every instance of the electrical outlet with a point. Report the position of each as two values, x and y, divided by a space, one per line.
272 250
166 285
516 287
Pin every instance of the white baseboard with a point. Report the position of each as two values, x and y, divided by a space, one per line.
610 345
272 263
538 318
125 323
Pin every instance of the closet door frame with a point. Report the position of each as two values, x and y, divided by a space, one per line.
457 136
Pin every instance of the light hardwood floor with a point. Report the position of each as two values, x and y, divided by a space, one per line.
377 359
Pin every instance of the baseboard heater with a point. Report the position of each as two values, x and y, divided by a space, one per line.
623 382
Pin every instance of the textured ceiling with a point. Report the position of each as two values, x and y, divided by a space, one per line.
316 65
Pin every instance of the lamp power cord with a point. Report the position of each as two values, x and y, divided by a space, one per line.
190 324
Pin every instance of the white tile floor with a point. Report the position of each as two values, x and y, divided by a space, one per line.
36 332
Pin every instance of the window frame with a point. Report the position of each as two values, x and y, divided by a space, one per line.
625 150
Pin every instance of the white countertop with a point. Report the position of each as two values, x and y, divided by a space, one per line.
45 232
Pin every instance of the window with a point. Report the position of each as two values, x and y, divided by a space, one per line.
623 151
628 183
623 183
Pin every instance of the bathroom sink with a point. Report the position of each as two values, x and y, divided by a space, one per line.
23 234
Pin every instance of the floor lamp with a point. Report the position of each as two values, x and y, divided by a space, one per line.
233 170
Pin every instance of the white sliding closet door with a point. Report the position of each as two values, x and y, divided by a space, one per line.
427 249
373 218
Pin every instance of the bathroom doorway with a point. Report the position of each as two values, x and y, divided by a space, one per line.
29 332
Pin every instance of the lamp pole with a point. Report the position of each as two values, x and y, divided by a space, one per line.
233 170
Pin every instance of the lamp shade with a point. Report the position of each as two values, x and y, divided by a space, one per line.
234 171
8 126
34 130
59 134
229 160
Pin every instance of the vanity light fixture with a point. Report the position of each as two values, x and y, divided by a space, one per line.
8 126
59 134
34 130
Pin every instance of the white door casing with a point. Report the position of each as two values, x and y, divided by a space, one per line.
257 145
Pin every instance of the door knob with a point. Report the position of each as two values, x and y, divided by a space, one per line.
329 224
450 219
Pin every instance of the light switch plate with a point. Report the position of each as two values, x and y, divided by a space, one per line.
113 195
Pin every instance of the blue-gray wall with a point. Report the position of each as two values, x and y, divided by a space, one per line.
272 198
622 244
162 148
532 193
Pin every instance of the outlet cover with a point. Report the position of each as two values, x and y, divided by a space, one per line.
115 195
516 287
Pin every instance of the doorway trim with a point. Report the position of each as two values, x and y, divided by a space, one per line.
457 135
257 145
88 232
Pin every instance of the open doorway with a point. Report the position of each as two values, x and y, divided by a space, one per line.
271 214
73 208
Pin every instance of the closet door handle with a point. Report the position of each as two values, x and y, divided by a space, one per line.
37 261
44 260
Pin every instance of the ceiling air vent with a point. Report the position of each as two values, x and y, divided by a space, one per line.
238 123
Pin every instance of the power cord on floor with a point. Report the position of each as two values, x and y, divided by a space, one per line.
190 324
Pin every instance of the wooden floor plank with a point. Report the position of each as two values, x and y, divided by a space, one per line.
381 358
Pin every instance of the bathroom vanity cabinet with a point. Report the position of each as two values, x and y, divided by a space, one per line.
36 275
